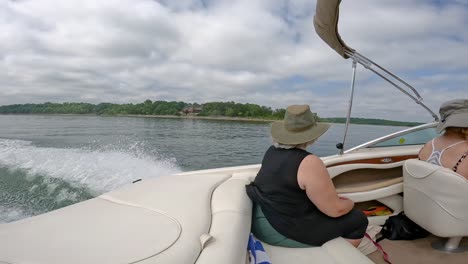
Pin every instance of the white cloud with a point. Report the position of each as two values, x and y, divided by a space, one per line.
246 51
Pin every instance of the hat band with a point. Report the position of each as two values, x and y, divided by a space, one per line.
299 129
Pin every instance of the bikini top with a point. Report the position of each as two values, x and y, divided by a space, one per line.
436 155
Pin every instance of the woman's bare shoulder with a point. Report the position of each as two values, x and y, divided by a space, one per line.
425 151
311 168
311 159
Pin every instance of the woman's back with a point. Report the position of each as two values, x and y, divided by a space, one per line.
277 180
447 151
451 149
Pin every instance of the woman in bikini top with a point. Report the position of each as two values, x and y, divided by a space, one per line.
450 150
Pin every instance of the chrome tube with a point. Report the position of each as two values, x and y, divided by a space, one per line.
348 117
368 64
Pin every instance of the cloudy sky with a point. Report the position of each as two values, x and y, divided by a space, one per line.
258 51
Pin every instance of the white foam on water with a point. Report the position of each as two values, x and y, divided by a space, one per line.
11 214
100 170
66 195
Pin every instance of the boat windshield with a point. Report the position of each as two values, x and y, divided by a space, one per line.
412 136
419 137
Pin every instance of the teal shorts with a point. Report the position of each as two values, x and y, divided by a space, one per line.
263 230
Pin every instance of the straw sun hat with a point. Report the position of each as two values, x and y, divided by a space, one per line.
453 113
299 126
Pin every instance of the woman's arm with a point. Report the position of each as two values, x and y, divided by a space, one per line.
313 177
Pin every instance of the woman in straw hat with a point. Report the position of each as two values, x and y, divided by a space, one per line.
451 149
294 190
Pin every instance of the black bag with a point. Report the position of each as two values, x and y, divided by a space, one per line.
400 227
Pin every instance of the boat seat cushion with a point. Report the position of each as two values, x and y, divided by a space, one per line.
263 230
436 198
336 251
230 227
152 221
95 231
230 224
178 219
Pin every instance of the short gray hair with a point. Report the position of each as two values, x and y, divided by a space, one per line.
288 146
283 146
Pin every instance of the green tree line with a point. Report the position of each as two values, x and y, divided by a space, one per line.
231 109
148 107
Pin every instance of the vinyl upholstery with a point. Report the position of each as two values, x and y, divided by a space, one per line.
436 198
178 219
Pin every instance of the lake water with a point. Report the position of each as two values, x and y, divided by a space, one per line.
47 162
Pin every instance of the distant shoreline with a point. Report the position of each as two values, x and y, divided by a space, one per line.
218 118
221 111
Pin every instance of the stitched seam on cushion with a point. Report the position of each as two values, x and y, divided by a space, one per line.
121 202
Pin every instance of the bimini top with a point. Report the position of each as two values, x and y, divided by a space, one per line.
326 25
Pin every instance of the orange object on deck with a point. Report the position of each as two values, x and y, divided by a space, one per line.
377 210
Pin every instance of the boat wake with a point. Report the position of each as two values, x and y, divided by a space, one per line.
36 179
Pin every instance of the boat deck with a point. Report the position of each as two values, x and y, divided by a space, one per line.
418 252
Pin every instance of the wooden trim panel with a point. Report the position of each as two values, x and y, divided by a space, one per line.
381 160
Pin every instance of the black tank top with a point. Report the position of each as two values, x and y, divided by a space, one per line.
277 191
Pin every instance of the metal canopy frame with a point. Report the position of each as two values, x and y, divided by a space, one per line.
326 25
388 76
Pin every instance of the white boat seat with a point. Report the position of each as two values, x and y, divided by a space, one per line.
336 251
436 198
231 221
153 221
179 219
